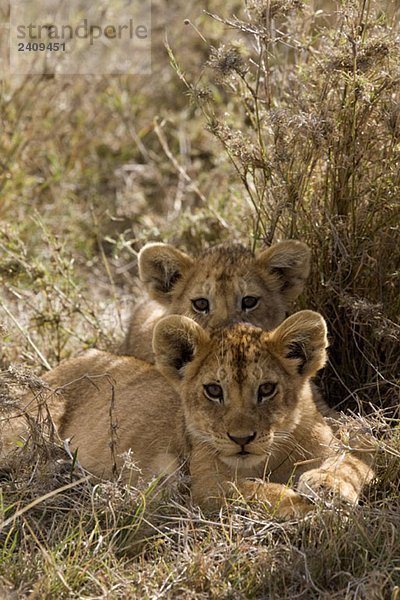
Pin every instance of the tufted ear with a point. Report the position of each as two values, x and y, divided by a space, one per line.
301 342
289 262
176 341
160 267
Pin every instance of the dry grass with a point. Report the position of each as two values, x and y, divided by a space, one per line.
291 129
68 538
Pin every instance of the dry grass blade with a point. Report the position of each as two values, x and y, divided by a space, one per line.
40 500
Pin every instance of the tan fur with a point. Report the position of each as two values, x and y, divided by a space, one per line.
223 275
163 415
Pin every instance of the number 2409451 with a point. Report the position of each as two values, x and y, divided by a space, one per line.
41 47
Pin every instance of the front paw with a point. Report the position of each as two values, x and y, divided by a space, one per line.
326 485
281 502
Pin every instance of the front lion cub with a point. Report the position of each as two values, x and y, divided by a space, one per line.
235 405
223 285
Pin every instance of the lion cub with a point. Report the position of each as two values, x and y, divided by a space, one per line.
224 285
235 405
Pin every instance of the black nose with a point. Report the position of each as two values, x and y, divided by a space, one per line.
242 441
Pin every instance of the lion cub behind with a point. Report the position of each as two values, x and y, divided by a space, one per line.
223 285
236 405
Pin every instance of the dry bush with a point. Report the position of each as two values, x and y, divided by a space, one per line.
310 123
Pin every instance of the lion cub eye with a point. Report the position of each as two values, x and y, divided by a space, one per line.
214 392
201 305
266 391
249 302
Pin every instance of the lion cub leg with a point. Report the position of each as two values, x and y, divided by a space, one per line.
280 501
213 484
339 477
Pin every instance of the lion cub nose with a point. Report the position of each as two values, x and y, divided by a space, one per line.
242 441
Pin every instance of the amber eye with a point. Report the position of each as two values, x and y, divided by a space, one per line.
266 391
201 305
214 392
249 302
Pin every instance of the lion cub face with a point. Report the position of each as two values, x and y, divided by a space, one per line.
242 387
227 283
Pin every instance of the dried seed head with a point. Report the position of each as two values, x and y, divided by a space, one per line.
362 59
237 144
201 95
391 117
226 61
292 127
263 10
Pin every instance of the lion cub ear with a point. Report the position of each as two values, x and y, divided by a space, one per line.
301 341
176 341
160 267
289 263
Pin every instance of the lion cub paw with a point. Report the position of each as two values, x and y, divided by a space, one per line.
324 485
282 502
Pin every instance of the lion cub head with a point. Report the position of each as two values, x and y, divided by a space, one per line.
227 283
241 386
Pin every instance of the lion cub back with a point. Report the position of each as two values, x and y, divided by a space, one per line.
115 403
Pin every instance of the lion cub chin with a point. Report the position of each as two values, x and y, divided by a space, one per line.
225 284
235 405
